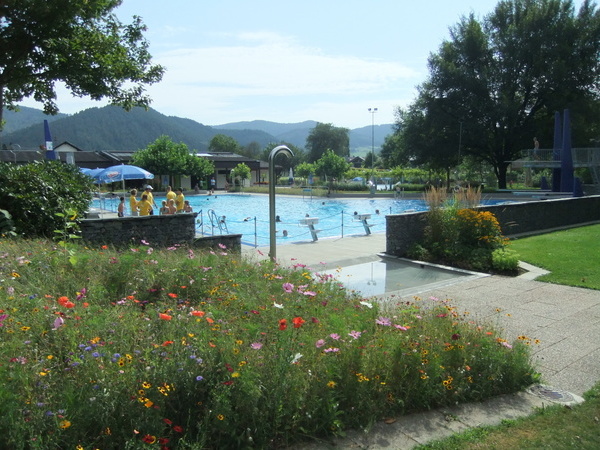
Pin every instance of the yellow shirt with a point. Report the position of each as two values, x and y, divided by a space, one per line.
150 197
171 195
179 200
145 207
133 204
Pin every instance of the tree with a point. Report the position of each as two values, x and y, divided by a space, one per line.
78 42
331 165
303 170
241 171
223 143
497 83
324 136
165 157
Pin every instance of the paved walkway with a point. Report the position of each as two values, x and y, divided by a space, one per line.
565 320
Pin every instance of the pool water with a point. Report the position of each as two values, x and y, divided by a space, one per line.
248 214
402 277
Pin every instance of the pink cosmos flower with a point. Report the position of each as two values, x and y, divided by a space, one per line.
355 334
331 350
320 343
256 345
288 287
385 321
334 336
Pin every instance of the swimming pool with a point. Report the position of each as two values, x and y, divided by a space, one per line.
248 214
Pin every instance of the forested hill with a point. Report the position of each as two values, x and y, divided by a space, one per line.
111 128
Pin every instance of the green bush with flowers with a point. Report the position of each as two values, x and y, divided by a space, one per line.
459 235
148 348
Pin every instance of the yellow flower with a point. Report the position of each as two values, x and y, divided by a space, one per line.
235 375
25 328
49 357
221 417
331 384
64 424
146 385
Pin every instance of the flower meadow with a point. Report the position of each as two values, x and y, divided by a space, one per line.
107 348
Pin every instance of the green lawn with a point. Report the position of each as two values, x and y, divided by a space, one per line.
572 256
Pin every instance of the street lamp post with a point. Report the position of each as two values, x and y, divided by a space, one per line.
372 111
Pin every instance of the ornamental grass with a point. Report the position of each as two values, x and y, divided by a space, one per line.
143 348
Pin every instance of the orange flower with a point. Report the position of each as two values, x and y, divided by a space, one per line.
282 324
64 301
209 320
164 344
298 321
198 313
170 294
164 316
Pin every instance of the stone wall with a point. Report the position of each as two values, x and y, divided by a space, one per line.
402 230
157 231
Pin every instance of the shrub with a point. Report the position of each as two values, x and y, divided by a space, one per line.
458 235
505 260
34 193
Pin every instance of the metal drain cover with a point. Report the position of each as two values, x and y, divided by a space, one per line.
554 395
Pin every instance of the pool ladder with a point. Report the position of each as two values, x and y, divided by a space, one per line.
217 222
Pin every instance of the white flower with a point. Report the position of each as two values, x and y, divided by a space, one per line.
367 304
297 357
277 305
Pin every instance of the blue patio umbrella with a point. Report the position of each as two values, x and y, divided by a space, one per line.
121 173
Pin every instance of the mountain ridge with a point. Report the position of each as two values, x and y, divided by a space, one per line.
110 128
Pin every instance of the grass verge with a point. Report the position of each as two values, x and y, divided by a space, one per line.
572 256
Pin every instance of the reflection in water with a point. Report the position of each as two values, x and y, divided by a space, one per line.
379 277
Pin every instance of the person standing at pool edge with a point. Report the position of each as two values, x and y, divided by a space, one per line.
170 194
133 203
179 199
148 193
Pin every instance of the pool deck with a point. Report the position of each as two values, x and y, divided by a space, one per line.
565 320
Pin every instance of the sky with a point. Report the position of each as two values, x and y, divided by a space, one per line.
288 61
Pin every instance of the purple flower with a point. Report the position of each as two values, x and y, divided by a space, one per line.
385 321
355 334
199 378
256 345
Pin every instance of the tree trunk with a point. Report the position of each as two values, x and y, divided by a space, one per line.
501 175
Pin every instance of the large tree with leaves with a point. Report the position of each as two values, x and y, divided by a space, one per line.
496 83
165 157
324 136
78 42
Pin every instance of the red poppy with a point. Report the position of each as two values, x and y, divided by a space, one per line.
149 439
298 321
178 429
198 313
164 316
282 324
168 421
170 294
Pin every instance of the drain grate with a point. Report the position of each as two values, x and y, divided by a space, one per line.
554 394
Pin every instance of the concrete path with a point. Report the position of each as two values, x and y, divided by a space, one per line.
564 321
